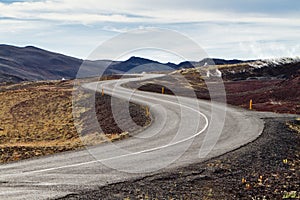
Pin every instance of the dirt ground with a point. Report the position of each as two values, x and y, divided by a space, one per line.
36 119
267 168
275 95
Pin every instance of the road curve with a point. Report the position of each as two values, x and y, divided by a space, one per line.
181 128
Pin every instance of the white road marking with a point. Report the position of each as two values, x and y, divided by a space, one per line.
135 153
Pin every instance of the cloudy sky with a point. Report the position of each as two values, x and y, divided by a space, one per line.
245 29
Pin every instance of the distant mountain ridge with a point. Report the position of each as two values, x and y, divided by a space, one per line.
30 63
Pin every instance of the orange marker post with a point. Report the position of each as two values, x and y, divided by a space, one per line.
244 180
250 104
163 90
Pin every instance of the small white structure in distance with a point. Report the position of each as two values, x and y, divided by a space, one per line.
214 73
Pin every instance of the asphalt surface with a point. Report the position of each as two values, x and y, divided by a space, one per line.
183 131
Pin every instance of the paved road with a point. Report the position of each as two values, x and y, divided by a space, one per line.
181 128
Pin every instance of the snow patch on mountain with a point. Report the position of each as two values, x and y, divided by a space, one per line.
274 62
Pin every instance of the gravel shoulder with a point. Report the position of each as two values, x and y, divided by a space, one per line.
267 168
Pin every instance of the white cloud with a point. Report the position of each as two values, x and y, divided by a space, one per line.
270 49
95 11
76 27
114 29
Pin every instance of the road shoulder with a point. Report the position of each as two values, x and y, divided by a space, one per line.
267 167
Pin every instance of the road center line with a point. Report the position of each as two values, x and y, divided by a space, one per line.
135 153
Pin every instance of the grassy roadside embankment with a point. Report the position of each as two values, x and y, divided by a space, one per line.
36 119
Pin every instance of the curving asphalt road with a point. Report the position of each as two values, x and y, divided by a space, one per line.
183 131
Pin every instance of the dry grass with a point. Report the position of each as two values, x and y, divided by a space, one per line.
203 69
36 119
34 113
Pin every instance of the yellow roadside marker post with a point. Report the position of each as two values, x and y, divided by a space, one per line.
147 111
250 104
163 90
